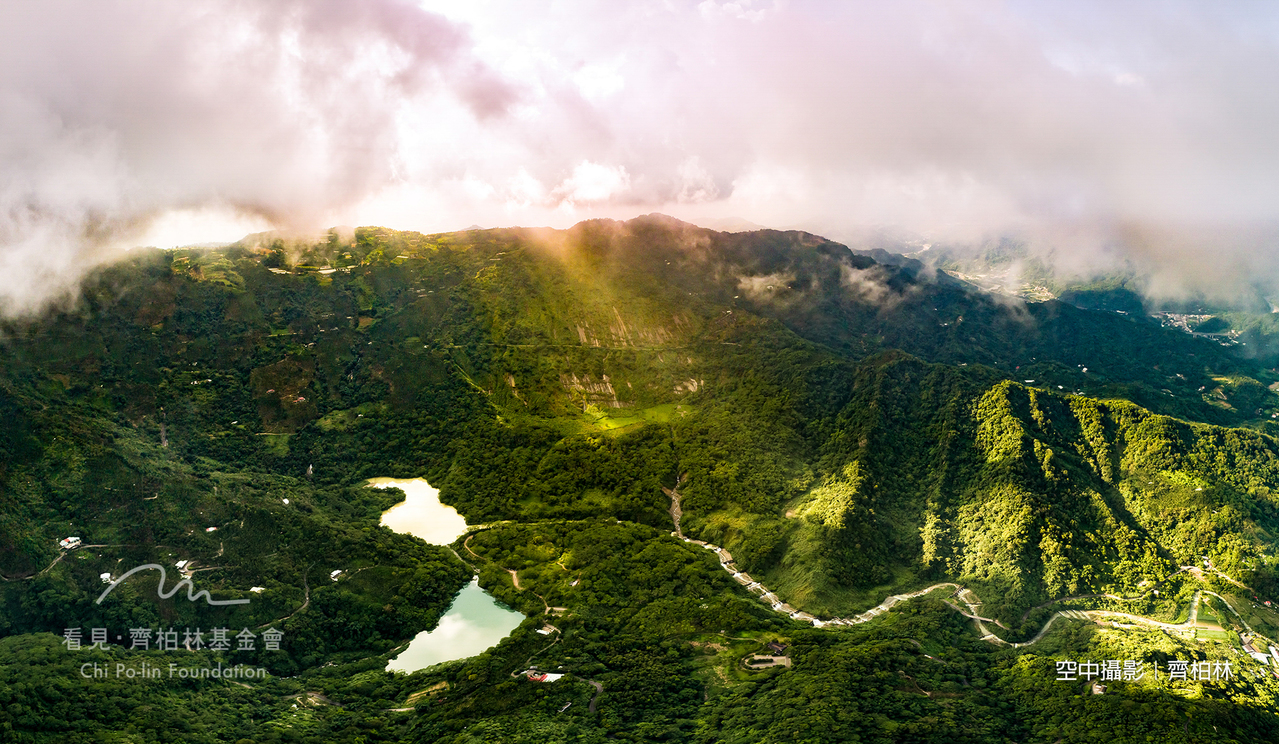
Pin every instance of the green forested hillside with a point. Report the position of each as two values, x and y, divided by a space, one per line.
846 429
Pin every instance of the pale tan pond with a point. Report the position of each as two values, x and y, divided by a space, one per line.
421 514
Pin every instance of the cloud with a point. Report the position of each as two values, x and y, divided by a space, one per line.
712 10
1099 133
868 285
696 184
765 287
114 113
1090 130
593 182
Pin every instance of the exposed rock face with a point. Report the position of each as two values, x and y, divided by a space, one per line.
590 392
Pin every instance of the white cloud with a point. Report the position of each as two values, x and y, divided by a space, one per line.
212 224
712 10
593 182
477 188
1093 128
599 81
696 184
524 189
114 114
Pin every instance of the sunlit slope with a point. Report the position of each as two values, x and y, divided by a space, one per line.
1023 493
541 374
610 274
654 283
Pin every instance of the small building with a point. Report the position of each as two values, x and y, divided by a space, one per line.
776 647
69 543
1098 688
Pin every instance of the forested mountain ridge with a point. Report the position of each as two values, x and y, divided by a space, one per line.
855 306
630 329
845 428
1030 494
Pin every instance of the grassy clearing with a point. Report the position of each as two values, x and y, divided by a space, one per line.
719 661
345 420
625 420
1260 618
276 444
1212 617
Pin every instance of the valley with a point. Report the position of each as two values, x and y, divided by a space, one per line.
673 447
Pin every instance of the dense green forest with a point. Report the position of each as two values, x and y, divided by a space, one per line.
847 429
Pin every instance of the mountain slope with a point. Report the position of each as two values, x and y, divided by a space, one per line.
829 420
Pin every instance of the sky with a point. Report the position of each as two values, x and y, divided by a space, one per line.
1095 132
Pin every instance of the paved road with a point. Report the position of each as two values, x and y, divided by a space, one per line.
1153 588
972 603
598 689
970 600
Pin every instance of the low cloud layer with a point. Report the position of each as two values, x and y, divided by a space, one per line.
114 113
1099 133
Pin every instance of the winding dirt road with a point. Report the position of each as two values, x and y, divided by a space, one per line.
971 603
969 599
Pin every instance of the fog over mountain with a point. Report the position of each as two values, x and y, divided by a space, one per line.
115 113
1098 133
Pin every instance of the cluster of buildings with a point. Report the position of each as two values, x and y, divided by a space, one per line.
1250 648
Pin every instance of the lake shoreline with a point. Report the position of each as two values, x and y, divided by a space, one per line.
475 621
